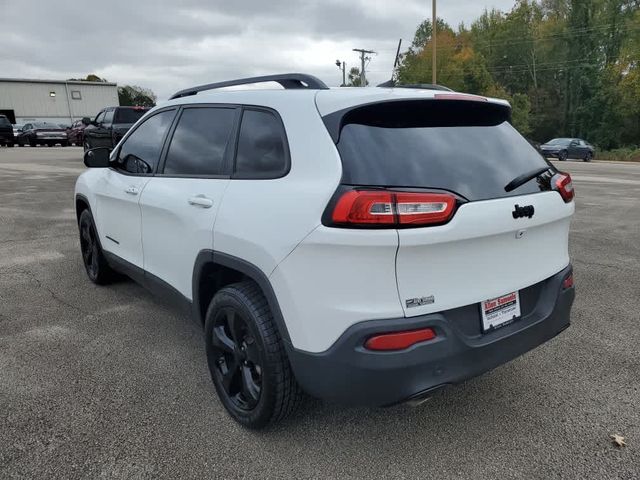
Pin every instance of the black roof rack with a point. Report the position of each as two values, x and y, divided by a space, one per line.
287 80
425 86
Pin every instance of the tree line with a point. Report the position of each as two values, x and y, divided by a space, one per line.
570 68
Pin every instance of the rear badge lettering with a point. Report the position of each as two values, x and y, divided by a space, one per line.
419 302
526 211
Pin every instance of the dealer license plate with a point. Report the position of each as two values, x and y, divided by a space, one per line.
500 311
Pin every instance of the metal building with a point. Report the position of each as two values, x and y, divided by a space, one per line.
54 101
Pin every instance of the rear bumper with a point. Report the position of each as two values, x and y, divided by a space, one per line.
349 374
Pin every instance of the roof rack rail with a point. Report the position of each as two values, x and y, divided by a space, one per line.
287 80
425 86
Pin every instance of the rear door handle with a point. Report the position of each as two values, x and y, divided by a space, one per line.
200 201
132 190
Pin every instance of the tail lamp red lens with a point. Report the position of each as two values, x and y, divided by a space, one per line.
568 281
371 207
399 340
564 186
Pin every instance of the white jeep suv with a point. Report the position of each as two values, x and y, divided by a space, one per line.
363 245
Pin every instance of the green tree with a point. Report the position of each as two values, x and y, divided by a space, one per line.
92 77
354 78
137 96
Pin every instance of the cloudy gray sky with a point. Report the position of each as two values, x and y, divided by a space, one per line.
169 45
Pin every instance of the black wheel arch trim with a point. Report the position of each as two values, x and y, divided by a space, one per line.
212 257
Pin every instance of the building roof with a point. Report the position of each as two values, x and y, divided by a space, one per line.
61 82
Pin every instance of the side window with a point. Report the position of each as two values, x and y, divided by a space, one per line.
261 146
100 118
108 117
200 141
141 150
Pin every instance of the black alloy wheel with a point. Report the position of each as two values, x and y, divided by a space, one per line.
97 268
247 357
588 157
562 156
238 366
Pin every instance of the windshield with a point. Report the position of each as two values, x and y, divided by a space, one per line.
129 115
559 141
474 161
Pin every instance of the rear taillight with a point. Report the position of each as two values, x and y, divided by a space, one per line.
399 340
385 208
562 183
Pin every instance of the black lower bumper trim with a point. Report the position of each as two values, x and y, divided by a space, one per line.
347 373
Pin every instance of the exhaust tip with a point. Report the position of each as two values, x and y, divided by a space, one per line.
422 397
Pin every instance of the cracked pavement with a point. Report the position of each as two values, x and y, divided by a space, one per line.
108 382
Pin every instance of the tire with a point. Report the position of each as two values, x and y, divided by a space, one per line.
96 266
64 144
562 156
247 359
32 143
588 157
10 144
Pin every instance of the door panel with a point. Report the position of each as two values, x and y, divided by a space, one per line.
178 215
118 216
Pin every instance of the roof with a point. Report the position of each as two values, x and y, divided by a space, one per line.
61 82
327 101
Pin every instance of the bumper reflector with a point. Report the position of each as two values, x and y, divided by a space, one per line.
399 340
568 282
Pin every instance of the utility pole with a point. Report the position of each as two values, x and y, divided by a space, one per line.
434 28
343 65
363 75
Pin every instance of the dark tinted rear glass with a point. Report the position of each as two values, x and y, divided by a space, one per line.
129 115
472 153
261 146
200 142
4 121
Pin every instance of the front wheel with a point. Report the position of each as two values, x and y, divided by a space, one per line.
588 157
246 356
98 270
562 156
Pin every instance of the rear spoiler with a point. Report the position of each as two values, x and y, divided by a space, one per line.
443 110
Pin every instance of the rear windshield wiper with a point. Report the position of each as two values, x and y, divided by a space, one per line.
524 178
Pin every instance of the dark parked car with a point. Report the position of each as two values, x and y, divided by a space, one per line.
564 148
76 131
6 132
42 133
110 125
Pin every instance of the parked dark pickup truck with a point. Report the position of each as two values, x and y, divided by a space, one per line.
110 125
6 132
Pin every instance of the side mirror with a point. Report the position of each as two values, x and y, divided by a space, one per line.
97 157
86 121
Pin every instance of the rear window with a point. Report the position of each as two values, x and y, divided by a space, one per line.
4 121
469 148
129 115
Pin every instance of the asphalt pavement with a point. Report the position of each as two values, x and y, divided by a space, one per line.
109 382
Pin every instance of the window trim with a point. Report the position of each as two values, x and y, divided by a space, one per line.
283 136
229 154
116 151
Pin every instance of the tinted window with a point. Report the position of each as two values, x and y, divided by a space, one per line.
199 142
261 149
141 150
100 118
468 156
129 115
108 117
4 122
